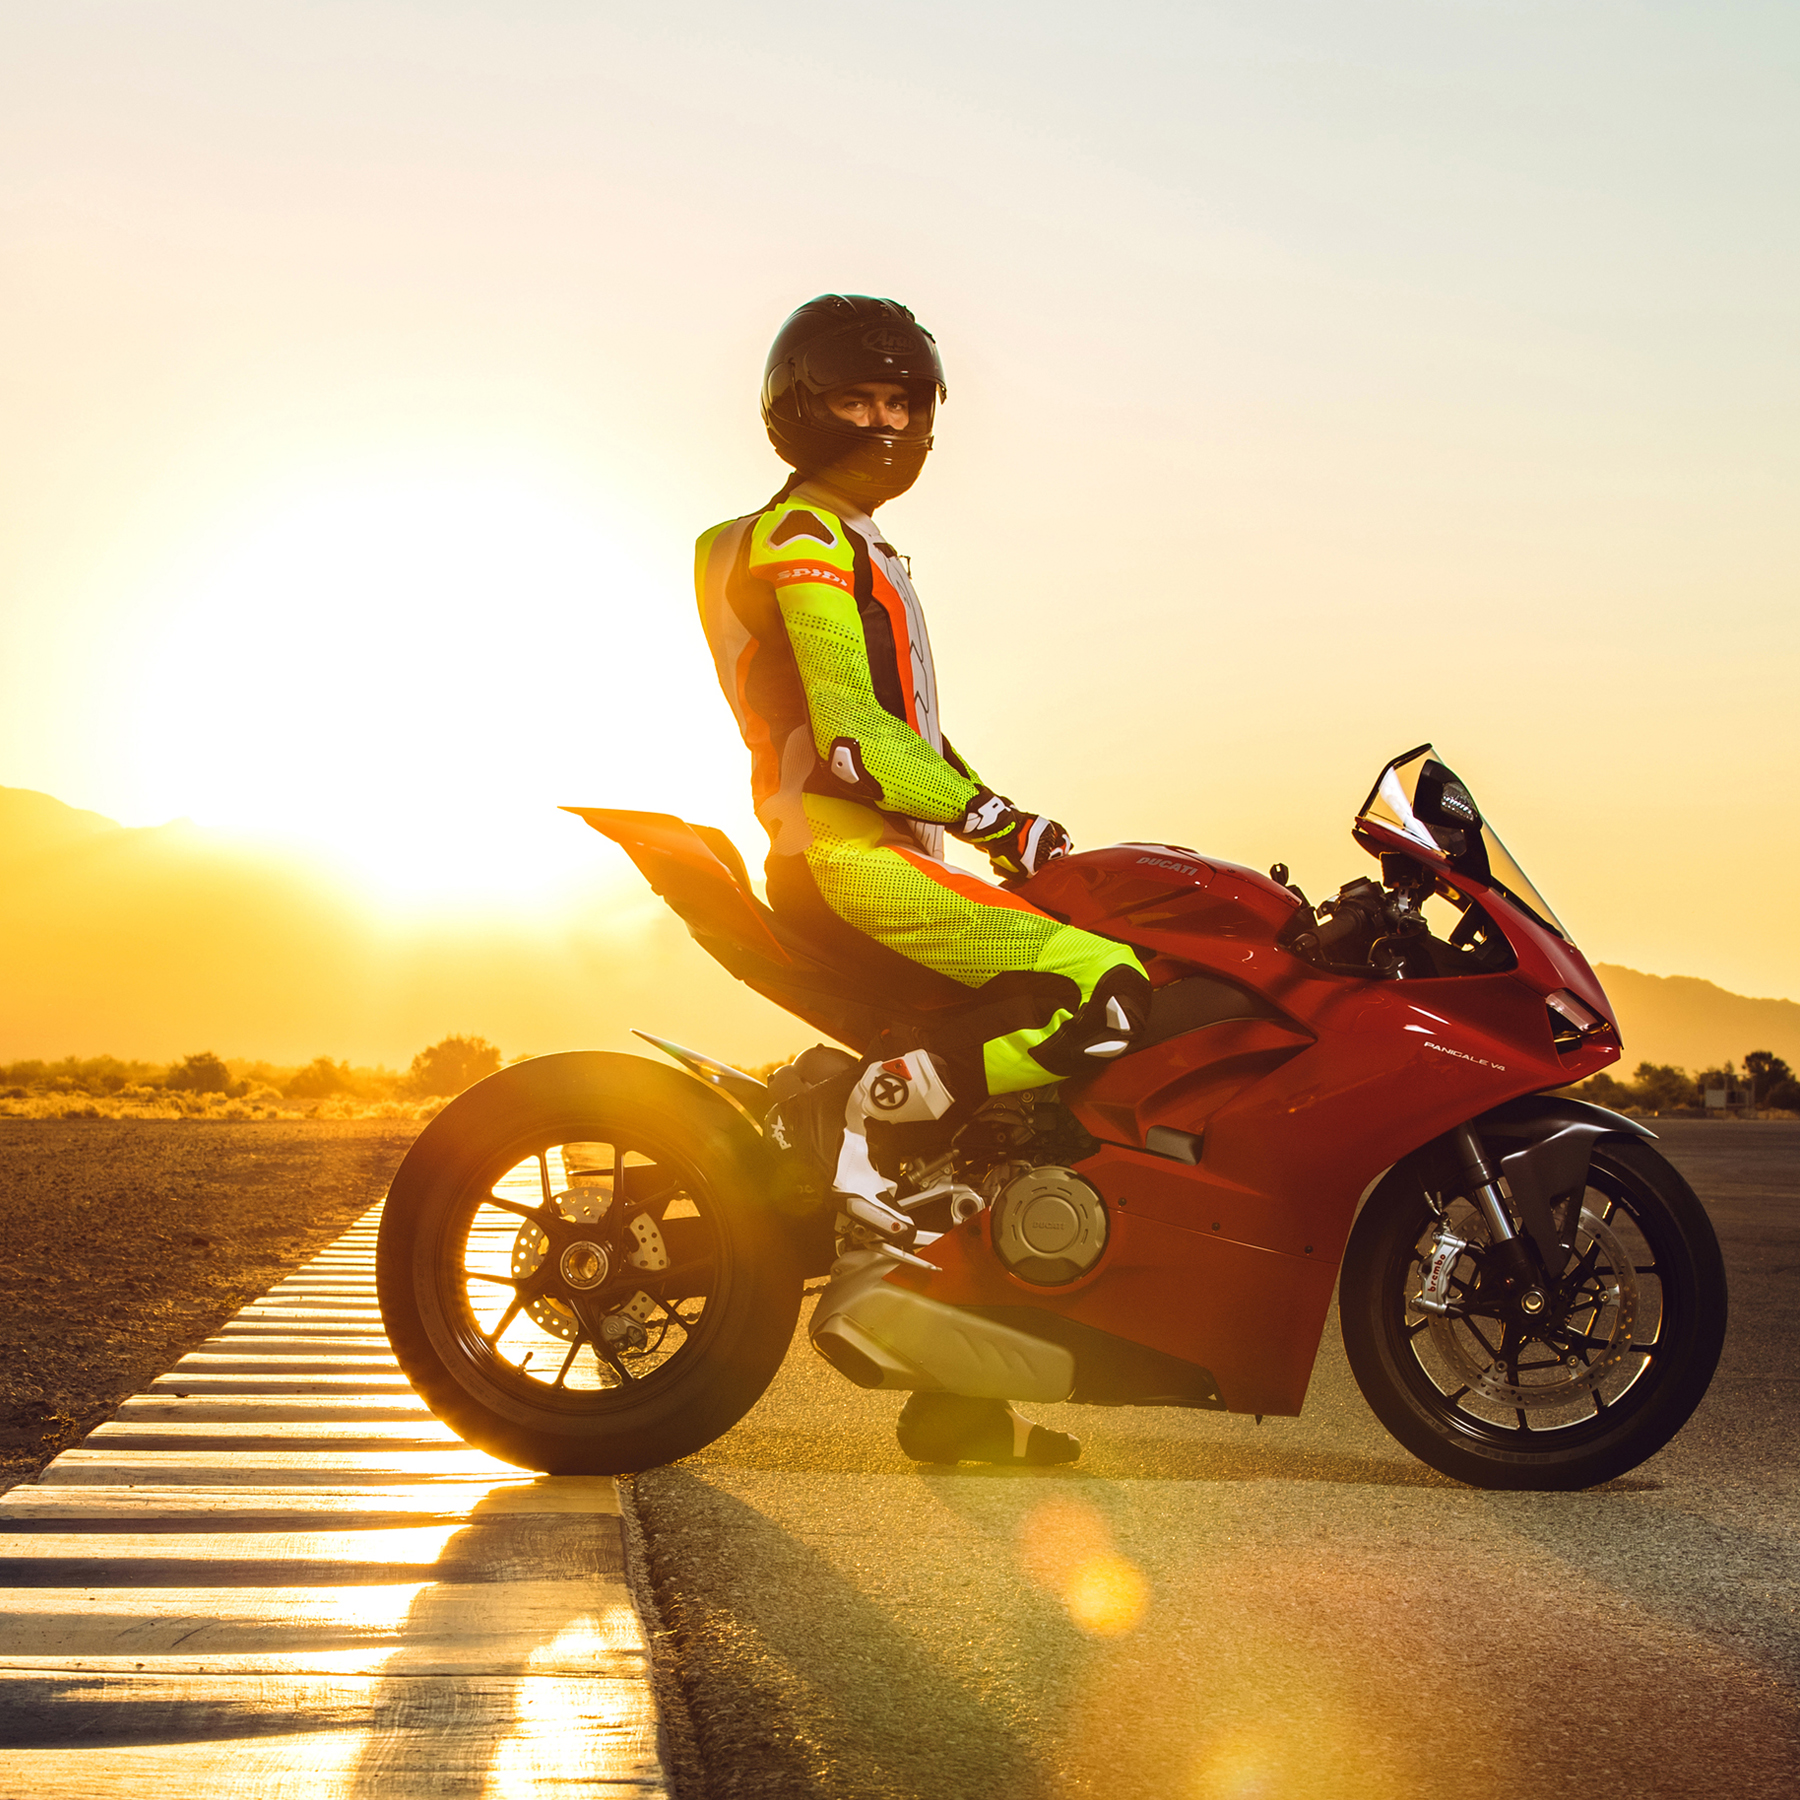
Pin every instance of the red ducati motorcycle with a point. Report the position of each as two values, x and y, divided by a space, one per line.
593 1263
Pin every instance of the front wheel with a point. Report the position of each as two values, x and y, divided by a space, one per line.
1598 1379
578 1267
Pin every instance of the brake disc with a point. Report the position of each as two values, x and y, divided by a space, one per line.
586 1204
1614 1308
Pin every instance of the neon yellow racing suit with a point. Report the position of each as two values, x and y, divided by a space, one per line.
821 649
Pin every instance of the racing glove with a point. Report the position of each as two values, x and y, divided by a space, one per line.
1017 843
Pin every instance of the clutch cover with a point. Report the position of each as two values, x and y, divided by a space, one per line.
1049 1226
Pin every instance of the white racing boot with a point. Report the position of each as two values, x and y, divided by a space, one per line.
904 1090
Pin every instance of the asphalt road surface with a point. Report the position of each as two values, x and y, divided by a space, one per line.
1205 1608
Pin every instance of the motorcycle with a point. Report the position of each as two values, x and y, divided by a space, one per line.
593 1263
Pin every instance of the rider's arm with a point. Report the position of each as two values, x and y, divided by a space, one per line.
873 752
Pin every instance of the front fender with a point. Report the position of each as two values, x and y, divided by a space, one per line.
1542 1144
1516 1117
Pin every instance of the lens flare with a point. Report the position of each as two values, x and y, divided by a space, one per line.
1107 1596
1066 1547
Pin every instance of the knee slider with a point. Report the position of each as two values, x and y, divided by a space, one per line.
1109 1022
1114 1017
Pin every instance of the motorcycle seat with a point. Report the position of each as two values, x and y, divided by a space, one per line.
699 872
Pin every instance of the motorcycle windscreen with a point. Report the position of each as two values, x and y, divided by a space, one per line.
1419 796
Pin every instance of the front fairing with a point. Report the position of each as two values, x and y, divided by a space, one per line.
1548 960
1419 809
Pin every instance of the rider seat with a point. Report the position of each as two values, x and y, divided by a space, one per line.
698 871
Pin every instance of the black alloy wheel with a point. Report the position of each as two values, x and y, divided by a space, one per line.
579 1268
1507 1385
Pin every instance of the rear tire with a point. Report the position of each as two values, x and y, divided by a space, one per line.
579 1268
1560 1406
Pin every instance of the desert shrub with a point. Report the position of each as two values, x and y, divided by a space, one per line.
450 1065
202 1073
320 1080
76 1074
1775 1083
1663 1088
1605 1090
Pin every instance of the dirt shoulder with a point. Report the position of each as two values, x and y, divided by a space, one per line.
126 1242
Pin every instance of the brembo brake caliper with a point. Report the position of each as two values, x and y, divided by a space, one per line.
1446 1249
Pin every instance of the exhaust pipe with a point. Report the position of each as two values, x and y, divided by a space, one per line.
881 1336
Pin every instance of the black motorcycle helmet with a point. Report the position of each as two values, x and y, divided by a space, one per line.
833 342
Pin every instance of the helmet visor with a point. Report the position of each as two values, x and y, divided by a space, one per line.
921 410
887 351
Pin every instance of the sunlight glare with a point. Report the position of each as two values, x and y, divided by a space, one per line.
409 673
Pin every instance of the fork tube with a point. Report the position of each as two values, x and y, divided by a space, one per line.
1483 1188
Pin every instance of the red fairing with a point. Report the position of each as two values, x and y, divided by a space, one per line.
1229 1262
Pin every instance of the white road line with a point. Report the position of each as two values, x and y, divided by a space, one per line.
273 1573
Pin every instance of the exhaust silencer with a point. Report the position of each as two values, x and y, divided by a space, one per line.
882 1336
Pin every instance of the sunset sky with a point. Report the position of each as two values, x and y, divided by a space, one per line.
1324 378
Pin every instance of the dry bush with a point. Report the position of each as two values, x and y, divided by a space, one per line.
450 1065
162 1104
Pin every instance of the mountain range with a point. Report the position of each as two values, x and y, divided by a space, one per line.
154 942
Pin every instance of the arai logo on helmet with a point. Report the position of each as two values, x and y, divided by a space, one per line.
886 341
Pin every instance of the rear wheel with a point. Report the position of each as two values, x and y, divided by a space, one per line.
578 1268
1608 1368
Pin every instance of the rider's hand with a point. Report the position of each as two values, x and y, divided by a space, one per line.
1017 843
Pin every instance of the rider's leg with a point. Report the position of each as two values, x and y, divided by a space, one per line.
1023 999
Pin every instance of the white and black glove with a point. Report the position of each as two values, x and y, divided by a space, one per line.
1017 843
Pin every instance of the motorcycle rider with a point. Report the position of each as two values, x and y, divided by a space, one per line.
820 647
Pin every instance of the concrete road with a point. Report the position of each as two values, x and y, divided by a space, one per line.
1204 1607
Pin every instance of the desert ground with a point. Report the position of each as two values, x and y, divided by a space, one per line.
125 1242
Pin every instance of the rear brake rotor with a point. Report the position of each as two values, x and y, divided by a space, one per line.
586 1204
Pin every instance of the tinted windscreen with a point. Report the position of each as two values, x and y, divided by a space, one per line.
1419 796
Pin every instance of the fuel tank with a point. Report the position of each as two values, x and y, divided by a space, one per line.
1166 900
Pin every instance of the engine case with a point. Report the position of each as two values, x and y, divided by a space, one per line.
1049 1226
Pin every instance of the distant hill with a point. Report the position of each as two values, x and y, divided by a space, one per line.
31 823
1682 1020
156 942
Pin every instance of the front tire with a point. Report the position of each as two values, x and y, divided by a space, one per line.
579 1269
1602 1381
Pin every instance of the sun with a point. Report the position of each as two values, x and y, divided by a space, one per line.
411 672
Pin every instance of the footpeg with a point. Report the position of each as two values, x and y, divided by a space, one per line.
884 1220
905 1256
965 1203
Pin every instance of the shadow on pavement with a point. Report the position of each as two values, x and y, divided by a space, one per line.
807 1670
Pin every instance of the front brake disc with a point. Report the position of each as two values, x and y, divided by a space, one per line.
1563 1377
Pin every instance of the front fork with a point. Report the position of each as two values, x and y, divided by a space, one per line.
1509 1253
